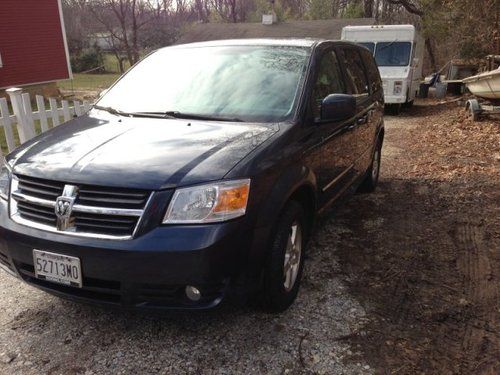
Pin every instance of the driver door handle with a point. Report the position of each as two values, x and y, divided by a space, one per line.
362 120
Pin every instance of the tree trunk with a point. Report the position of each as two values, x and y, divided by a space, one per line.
430 51
368 8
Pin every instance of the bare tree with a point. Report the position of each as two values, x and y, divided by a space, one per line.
202 9
123 20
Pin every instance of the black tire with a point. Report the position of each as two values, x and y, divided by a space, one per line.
409 104
370 182
275 296
393 109
474 115
397 109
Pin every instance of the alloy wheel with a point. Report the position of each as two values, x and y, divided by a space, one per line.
293 256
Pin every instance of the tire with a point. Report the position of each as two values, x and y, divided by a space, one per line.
409 104
370 182
397 109
474 115
280 288
393 109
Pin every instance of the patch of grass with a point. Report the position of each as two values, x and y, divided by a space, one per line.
94 82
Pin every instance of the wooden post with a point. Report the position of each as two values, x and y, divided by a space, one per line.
55 112
66 111
40 103
18 107
78 109
7 126
87 106
28 112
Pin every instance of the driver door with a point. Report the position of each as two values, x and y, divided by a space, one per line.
337 147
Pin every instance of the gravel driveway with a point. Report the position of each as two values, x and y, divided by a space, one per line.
43 334
339 324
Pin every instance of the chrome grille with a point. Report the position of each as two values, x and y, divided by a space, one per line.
116 198
40 188
98 211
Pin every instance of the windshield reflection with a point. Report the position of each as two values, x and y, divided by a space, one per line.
252 83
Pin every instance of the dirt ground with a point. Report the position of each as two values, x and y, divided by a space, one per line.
427 268
401 281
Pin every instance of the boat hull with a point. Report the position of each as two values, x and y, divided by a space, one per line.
485 85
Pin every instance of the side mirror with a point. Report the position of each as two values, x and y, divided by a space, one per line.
415 62
338 107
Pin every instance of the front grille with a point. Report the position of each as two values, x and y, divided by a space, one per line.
115 198
37 213
42 189
98 223
97 210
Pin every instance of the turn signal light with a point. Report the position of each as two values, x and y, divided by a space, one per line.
233 199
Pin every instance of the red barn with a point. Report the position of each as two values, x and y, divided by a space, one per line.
33 47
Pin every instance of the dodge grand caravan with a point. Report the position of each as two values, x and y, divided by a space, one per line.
197 175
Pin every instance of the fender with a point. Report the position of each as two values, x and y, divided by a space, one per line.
292 178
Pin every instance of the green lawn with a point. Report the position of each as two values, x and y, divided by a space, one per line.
94 82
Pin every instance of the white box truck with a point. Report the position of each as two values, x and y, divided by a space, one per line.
399 53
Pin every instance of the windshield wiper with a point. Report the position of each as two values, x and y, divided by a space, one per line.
112 110
115 111
193 116
168 114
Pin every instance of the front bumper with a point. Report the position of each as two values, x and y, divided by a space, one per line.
394 99
150 271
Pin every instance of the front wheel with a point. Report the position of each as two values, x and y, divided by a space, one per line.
283 269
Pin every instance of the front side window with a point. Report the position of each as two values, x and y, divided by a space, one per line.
393 53
329 81
251 83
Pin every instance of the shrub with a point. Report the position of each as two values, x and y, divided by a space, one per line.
88 59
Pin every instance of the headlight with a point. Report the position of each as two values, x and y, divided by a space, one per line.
398 87
208 203
4 181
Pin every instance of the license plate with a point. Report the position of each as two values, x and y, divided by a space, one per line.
57 268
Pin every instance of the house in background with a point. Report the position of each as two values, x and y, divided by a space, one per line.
320 29
33 48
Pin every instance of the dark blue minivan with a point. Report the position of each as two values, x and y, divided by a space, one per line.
197 175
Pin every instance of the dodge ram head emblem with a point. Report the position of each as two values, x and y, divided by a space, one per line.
64 207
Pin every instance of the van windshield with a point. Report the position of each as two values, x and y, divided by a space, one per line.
393 53
250 83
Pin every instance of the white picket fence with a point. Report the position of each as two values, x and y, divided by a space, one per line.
24 117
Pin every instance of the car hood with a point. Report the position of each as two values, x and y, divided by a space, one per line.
148 153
